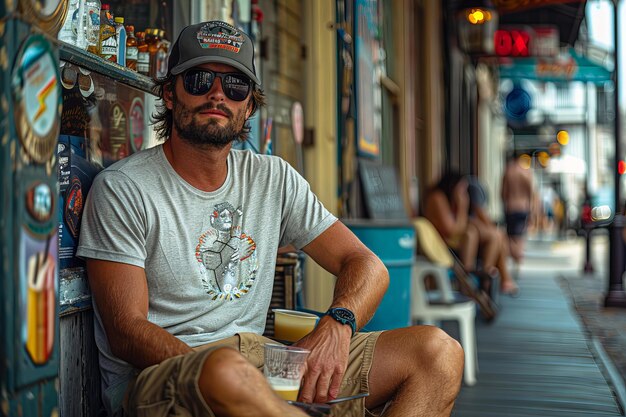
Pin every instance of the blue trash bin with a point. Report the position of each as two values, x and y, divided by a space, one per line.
393 241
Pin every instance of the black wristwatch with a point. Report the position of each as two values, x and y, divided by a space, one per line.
343 316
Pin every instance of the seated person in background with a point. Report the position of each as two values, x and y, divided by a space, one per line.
493 244
181 242
447 206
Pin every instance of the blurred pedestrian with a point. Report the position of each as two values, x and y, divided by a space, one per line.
517 199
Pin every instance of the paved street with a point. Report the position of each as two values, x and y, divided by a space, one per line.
539 358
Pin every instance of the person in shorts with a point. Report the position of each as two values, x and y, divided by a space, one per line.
517 192
180 242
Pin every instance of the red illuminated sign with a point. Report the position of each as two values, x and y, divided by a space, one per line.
524 41
514 43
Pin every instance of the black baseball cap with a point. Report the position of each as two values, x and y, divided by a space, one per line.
213 41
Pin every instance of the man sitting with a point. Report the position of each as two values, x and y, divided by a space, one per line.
181 242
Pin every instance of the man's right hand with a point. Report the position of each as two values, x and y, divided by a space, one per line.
329 344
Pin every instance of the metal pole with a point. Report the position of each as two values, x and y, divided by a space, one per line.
616 297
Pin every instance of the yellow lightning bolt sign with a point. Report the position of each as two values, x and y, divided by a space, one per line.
41 97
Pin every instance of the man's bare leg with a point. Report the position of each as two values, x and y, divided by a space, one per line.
419 369
232 386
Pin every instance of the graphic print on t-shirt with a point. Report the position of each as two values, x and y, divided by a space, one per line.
226 255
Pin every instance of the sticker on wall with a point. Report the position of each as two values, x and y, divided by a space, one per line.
37 98
73 206
68 75
85 82
117 133
38 294
137 126
39 202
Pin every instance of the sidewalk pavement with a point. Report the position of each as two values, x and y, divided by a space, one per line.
606 327
536 358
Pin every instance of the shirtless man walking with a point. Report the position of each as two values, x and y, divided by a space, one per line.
517 195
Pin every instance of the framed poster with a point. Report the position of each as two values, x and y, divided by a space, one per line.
369 68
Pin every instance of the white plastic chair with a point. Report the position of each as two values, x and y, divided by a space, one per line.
431 307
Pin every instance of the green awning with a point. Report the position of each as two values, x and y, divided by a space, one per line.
566 67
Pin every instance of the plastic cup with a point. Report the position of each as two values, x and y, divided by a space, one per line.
291 326
284 367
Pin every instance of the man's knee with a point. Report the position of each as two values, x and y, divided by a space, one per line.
441 354
223 370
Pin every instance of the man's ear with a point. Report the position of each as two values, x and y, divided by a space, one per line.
250 108
168 94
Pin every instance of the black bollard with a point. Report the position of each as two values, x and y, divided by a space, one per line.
588 268
616 297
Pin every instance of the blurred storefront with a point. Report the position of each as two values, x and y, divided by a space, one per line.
517 79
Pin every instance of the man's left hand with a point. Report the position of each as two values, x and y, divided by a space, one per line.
329 344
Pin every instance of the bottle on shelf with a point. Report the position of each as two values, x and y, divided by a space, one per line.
162 55
143 56
67 34
120 34
73 28
107 47
79 21
132 51
92 25
152 39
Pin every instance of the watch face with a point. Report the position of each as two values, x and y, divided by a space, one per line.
344 314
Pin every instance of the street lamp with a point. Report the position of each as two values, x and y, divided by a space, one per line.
477 22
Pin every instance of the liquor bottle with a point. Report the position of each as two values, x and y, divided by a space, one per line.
152 39
73 28
143 57
67 34
92 25
107 47
162 55
78 24
131 48
120 34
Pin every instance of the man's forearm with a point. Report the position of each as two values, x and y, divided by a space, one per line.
361 284
145 344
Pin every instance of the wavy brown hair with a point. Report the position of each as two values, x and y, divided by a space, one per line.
162 118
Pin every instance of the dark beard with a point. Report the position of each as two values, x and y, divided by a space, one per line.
206 134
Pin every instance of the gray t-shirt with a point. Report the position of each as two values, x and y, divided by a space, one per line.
209 257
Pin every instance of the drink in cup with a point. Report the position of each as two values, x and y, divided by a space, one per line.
284 367
291 326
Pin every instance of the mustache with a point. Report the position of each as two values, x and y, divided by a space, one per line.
210 106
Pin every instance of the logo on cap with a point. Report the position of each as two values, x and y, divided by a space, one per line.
220 35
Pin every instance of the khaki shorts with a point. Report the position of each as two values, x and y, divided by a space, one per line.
171 388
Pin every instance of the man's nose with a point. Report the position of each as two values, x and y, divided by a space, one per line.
216 89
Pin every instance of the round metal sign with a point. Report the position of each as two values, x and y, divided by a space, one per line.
37 98
48 14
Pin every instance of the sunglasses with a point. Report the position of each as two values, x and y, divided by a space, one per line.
198 82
